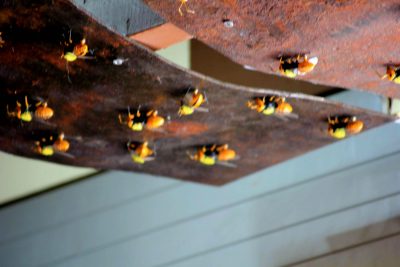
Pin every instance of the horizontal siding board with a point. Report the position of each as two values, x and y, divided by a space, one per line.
76 201
293 244
384 252
362 100
255 216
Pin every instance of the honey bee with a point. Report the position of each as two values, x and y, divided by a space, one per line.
392 74
339 126
139 120
2 42
41 111
272 105
299 65
22 113
49 145
140 152
72 52
184 4
214 154
191 102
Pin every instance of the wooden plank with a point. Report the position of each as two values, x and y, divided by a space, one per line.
245 220
78 200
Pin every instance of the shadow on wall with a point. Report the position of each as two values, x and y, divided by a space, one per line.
364 246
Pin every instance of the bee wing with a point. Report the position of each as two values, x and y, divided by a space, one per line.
149 159
76 138
64 154
201 109
158 130
44 122
236 157
226 164
87 57
285 117
282 117
292 116
205 97
38 98
187 99
313 60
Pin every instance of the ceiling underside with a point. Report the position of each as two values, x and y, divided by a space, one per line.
354 40
87 109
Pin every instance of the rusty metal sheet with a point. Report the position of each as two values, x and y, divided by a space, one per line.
87 109
354 39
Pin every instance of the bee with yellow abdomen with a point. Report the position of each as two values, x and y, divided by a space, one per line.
272 105
214 154
140 152
339 126
73 51
24 113
298 65
392 74
21 112
192 101
49 145
139 120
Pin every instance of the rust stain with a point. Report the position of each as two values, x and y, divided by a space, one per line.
5 15
185 129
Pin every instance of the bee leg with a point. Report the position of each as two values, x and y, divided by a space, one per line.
180 8
192 157
26 103
149 159
67 68
70 36
10 114
226 164
205 97
282 117
120 119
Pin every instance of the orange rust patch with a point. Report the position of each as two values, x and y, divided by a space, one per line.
185 129
232 3
5 16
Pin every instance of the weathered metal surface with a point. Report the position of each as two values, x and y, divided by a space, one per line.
354 39
87 109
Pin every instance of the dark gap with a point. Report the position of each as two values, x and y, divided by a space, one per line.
209 62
